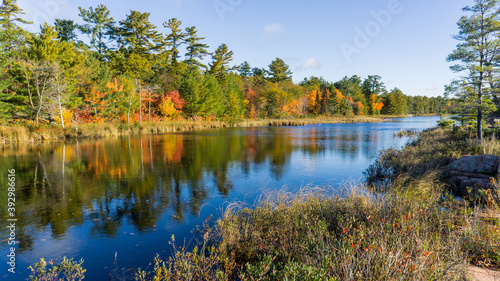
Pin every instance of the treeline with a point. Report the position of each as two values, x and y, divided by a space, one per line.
130 72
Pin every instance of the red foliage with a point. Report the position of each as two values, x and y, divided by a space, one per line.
175 97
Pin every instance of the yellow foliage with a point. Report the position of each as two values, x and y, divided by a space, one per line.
167 108
67 116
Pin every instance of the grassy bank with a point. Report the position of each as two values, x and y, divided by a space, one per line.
31 133
413 230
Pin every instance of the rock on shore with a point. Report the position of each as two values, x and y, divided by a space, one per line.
474 173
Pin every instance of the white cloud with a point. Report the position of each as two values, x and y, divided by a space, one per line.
273 28
310 63
431 88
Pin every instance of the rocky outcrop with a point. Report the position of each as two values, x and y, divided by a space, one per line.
474 173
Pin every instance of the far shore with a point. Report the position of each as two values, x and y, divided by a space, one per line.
12 134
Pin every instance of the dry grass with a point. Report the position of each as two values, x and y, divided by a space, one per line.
30 133
315 235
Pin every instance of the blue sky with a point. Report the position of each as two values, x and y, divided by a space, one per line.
404 41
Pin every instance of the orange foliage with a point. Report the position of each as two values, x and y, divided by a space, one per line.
292 108
359 107
376 103
338 95
251 103
313 100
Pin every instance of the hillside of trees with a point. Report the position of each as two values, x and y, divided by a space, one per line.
130 70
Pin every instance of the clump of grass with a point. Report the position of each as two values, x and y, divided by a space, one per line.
408 132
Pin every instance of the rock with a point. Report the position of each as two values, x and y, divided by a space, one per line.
461 185
474 173
478 164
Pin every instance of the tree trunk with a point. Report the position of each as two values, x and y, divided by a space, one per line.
60 110
140 104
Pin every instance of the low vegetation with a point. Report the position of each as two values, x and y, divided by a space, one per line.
30 133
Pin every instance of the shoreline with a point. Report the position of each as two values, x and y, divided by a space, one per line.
11 135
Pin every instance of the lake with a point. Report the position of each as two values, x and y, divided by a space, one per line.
124 198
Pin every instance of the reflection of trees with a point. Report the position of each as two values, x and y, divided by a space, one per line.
138 179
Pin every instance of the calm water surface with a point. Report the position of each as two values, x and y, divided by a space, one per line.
128 196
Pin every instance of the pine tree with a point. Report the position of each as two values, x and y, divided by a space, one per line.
7 98
202 93
279 71
99 26
235 106
139 42
195 48
12 36
372 88
175 38
220 62
245 69
66 30
479 38
351 87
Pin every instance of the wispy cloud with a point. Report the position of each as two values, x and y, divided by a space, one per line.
273 28
430 88
310 63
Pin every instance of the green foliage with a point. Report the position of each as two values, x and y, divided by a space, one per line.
12 36
479 36
351 87
235 108
135 53
202 93
395 103
445 122
195 49
46 46
138 35
245 69
220 62
279 71
176 37
66 270
100 27
66 30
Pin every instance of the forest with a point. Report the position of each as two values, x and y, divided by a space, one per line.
130 71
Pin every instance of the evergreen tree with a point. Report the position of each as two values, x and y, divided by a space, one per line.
99 26
372 87
46 46
235 106
351 87
220 62
202 93
479 38
12 36
175 38
139 42
245 70
279 71
66 30
138 35
8 99
195 48
395 103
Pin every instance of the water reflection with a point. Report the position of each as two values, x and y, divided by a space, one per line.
101 187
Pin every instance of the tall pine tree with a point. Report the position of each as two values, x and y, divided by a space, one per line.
478 50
